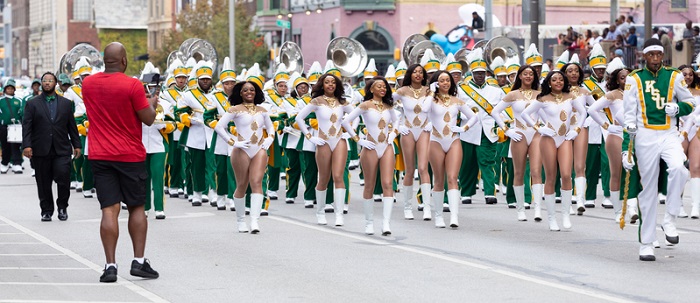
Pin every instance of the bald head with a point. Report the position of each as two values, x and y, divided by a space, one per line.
115 58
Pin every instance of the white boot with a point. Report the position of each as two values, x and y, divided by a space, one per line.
239 204
453 198
566 204
256 202
387 204
212 197
537 200
580 183
339 200
407 192
695 197
427 201
519 192
681 212
221 202
632 205
616 204
369 216
197 199
669 228
320 207
438 197
551 214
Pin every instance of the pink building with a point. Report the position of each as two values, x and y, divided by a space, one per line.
383 25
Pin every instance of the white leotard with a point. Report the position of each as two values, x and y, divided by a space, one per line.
443 116
329 120
518 123
249 127
379 125
413 116
558 116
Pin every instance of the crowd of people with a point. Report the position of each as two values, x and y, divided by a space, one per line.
540 136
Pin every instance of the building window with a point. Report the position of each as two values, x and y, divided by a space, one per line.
260 5
373 41
82 10
679 4
274 4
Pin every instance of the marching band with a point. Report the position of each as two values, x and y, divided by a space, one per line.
454 122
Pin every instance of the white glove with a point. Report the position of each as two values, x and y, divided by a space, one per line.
546 131
267 142
456 129
242 144
627 162
433 86
197 120
514 135
288 129
571 135
317 141
615 129
403 130
345 136
631 129
391 137
366 144
671 109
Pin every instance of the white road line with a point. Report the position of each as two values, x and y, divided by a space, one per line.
97 268
5 234
512 274
61 284
45 268
21 243
32 255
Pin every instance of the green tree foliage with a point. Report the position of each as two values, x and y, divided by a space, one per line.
208 20
135 42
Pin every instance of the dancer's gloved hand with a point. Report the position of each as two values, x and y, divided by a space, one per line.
627 161
514 135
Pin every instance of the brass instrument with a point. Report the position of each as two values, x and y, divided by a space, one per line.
202 50
160 116
461 57
290 54
499 47
419 49
69 59
348 56
409 44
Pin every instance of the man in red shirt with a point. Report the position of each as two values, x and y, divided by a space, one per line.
117 105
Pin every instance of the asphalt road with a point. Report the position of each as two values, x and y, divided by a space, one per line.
491 257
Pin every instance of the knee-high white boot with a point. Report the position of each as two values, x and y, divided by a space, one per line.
427 201
339 200
256 201
438 197
632 206
453 198
239 204
321 207
551 214
519 192
695 197
617 205
537 200
369 215
565 205
387 204
407 192
580 183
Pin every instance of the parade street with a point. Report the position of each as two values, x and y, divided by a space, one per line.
491 257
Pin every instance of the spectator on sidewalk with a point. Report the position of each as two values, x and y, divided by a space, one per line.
688 31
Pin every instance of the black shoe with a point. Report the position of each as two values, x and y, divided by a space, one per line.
420 207
109 275
62 214
647 258
196 203
467 201
143 270
212 203
78 189
175 195
221 208
527 206
309 206
634 218
445 209
491 200
46 217
557 200
511 205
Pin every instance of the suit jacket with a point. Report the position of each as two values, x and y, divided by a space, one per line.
40 133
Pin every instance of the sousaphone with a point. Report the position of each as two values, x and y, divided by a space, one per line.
69 59
409 44
419 49
348 56
290 55
461 57
202 50
500 47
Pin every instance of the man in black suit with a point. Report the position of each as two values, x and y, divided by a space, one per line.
49 138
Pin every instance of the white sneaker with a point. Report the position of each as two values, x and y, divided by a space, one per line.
272 195
308 203
522 216
242 227
439 222
160 215
4 168
504 189
362 183
377 198
17 169
329 208
33 173
408 214
682 213
646 252
606 203
87 194
662 198
73 184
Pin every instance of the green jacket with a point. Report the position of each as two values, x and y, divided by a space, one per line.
10 108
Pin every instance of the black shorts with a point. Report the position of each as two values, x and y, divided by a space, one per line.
120 182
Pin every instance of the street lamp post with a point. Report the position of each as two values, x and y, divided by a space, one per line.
232 32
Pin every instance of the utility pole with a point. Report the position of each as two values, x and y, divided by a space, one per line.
534 22
488 22
647 19
614 10
232 33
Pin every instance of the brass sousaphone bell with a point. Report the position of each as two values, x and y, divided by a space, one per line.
461 57
409 44
290 54
499 47
201 49
69 59
419 49
348 56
